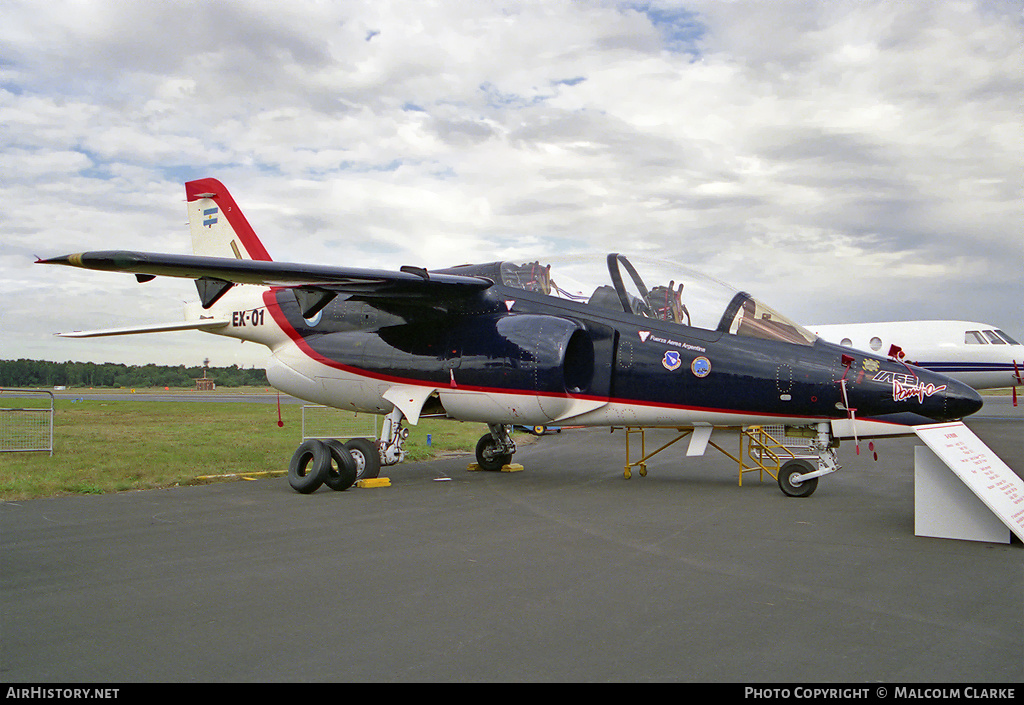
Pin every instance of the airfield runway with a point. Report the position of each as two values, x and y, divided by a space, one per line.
562 572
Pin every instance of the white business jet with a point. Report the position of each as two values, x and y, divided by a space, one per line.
977 354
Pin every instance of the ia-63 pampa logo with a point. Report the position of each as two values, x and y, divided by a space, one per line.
907 386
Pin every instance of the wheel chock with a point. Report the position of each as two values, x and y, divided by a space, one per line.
511 467
374 482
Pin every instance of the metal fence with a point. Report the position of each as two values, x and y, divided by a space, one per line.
328 422
26 421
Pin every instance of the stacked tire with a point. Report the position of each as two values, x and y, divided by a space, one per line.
333 463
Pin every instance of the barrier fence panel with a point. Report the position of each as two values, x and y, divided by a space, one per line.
328 422
26 420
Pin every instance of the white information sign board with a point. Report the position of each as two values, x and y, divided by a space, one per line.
945 508
990 479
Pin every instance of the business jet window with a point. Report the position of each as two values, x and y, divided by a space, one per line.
876 343
1007 338
973 337
993 338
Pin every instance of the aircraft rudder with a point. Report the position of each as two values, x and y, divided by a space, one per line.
217 224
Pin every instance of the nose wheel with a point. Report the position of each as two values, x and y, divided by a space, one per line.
791 481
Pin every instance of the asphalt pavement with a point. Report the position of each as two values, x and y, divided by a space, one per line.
563 572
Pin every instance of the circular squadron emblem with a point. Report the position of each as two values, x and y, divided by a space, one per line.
701 367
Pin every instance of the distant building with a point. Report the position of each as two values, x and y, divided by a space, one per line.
205 384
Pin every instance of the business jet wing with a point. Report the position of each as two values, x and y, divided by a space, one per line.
315 285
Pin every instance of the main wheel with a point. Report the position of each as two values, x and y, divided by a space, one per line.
309 466
487 455
367 457
341 473
803 488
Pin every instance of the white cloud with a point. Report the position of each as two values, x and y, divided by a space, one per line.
773 143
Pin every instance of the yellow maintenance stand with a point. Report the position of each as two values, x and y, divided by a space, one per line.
764 447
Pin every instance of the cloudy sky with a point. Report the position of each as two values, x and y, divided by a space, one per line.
845 161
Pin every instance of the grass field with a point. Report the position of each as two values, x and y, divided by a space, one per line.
105 446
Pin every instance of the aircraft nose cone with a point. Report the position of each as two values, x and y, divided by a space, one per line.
961 400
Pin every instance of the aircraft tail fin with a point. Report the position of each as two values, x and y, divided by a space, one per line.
219 229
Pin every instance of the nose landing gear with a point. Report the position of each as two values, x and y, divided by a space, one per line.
799 478
790 481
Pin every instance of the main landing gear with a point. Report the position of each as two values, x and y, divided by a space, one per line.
494 450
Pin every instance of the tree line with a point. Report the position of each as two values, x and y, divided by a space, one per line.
41 373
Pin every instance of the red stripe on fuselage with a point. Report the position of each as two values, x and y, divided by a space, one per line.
270 299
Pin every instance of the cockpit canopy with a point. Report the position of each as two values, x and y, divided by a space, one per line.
649 289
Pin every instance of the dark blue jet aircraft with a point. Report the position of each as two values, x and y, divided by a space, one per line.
608 341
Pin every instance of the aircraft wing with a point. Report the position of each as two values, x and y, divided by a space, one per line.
314 284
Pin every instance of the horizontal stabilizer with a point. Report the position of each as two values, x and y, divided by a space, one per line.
203 324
